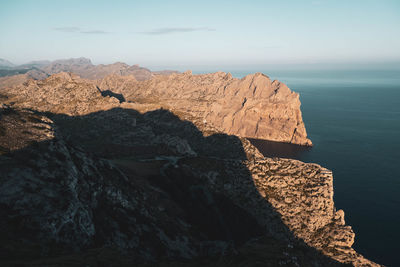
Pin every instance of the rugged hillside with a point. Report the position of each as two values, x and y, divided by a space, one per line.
60 93
131 172
253 107
152 185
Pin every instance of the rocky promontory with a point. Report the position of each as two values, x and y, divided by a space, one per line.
253 107
125 172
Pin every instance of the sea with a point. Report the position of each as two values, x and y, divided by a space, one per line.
353 119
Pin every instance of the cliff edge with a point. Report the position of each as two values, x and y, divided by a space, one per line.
253 107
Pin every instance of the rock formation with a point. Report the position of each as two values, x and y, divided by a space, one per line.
159 177
253 107
60 93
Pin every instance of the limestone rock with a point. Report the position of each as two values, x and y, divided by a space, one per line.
60 93
253 107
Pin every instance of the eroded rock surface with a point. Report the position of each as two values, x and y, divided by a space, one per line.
81 170
253 107
57 195
60 93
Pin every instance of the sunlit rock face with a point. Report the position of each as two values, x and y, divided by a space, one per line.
253 107
63 93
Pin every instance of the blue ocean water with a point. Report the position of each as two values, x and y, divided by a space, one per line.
353 120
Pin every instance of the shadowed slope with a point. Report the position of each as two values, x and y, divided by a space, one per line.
170 187
165 192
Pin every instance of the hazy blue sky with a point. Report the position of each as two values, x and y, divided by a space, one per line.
192 33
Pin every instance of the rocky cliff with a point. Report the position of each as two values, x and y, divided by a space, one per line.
88 176
254 107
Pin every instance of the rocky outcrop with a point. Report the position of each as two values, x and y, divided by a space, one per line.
254 107
303 195
60 93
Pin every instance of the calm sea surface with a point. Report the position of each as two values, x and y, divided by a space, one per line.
353 119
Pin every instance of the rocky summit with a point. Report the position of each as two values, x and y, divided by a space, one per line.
159 172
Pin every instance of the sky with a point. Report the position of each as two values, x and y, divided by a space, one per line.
202 33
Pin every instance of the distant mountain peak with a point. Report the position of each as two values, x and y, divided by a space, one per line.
81 66
74 61
6 63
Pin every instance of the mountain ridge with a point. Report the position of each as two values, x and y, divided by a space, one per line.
5 63
81 66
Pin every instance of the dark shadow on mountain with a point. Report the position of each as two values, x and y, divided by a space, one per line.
122 188
10 72
279 149
110 93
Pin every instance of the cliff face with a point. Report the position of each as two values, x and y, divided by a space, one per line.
82 170
257 107
253 107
